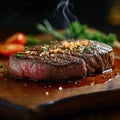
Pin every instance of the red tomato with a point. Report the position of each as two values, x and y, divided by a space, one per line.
8 49
19 38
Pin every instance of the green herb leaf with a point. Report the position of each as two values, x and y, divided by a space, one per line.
47 28
77 31
18 55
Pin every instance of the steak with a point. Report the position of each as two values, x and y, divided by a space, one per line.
61 60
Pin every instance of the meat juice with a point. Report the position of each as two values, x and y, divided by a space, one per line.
33 93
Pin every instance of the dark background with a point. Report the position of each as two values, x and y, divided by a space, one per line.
23 15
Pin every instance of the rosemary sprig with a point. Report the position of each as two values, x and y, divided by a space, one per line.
47 28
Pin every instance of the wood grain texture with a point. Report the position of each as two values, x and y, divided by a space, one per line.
38 99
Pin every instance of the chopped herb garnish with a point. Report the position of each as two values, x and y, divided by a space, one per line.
48 61
79 46
33 60
43 56
87 49
54 56
80 51
18 55
44 50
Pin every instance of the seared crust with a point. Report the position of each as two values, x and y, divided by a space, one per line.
62 60
57 54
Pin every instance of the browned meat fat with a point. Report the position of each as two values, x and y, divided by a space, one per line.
62 60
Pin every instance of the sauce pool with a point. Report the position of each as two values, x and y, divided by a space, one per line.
31 93
90 80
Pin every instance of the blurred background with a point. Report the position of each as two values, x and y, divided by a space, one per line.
23 15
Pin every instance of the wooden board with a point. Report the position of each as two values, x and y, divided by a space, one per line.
23 99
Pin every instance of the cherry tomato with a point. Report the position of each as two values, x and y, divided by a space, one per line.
8 49
19 38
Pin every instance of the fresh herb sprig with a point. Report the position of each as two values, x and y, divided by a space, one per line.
101 37
47 28
77 31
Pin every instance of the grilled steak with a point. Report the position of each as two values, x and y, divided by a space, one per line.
62 60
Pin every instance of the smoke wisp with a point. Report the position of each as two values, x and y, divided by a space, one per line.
63 14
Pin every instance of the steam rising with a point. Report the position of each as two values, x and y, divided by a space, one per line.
63 14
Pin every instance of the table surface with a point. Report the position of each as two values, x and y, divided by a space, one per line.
85 99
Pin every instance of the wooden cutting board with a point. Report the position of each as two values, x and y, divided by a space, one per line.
24 99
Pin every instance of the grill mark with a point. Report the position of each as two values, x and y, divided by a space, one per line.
61 59
93 61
